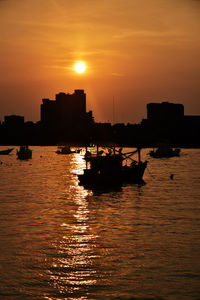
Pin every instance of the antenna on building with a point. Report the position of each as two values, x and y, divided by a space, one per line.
113 110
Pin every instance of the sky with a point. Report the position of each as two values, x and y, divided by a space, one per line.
136 52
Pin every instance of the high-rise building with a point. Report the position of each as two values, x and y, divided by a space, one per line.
165 111
65 118
66 109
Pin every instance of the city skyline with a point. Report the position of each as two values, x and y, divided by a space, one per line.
65 120
135 52
72 113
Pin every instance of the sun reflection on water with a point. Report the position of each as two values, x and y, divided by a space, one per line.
72 269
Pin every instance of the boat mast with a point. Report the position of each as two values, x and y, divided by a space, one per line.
97 149
113 110
139 154
86 151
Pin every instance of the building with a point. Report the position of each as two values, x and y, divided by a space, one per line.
65 109
66 116
167 121
13 121
12 130
165 111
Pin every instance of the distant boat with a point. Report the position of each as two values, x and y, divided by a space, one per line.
24 153
107 170
165 151
66 150
6 152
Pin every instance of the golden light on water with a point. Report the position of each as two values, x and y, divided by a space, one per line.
72 269
80 67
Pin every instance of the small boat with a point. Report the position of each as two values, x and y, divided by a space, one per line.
6 152
24 153
66 150
106 169
164 151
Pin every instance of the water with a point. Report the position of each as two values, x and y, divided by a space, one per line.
59 241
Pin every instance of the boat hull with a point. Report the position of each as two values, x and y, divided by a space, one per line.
134 174
65 153
157 154
99 181
24 155
67 150
92 179
6 152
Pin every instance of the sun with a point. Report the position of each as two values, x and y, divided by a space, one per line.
80 67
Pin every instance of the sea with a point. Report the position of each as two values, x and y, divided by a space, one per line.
61 241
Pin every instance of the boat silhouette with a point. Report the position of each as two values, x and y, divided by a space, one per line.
66 150
164 151
24 153
106 169
6 152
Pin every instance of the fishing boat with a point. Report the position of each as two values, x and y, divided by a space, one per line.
24 153
6 152
106 169
165 151
66 150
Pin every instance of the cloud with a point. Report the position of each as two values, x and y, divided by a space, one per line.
117 74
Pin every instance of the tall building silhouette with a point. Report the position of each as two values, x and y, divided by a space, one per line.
165 111
66 116
166 121
65 109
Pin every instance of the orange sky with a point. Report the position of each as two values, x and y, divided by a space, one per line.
137 51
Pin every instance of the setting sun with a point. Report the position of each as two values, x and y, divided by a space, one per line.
80 67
